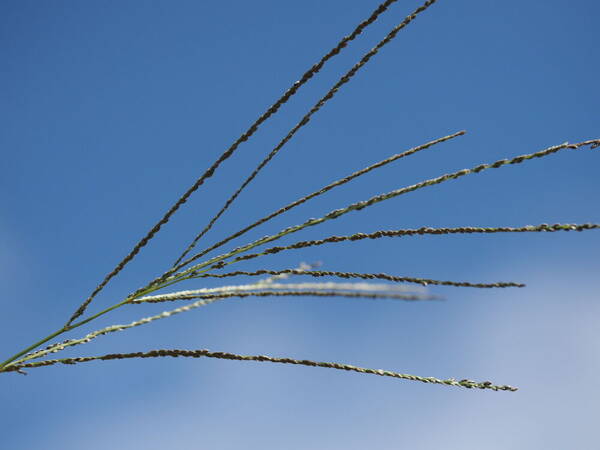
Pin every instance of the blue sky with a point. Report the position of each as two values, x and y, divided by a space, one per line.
111 110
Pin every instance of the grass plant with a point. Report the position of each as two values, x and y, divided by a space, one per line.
283 282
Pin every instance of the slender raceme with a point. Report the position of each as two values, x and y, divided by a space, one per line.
364 276
262 358
262 286
423 231
369 295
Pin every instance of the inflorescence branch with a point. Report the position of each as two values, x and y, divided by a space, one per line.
364 276
469 384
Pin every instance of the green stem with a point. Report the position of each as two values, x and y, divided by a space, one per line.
13 358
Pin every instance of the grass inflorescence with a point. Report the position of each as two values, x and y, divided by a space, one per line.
283 282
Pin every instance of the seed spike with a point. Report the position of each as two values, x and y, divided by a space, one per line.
469 384
299 293
423 231
364 276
